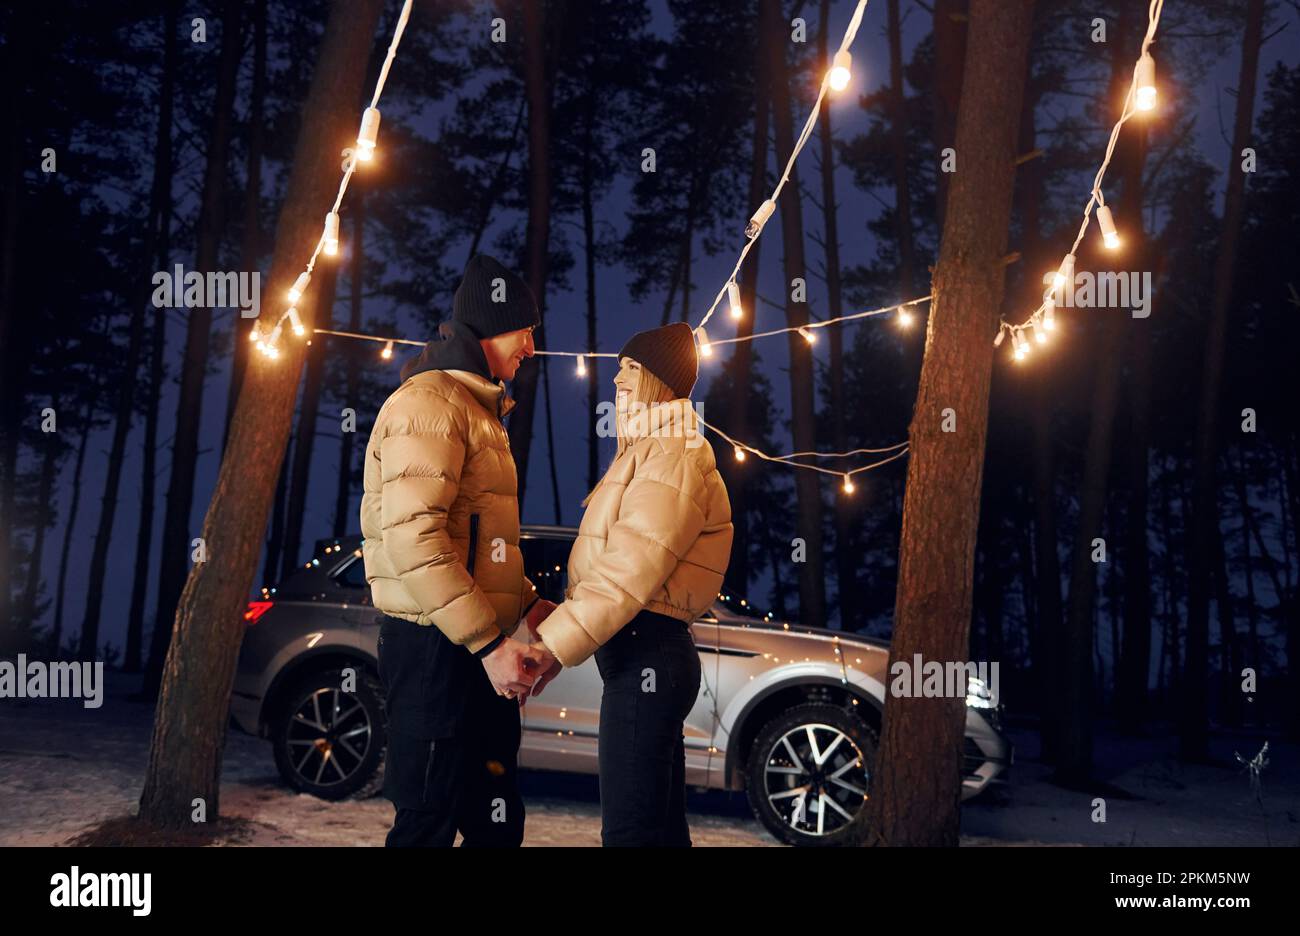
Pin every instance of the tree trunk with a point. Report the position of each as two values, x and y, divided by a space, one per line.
251 250
812 578
1193 727
1074 764
190 725
950 21
308 415
1045 636
917 781
538 234
1134 665
589 256
846 558
158 347
56 630
275 535
734 473
898 149
343 516
49 467
159 202
176 532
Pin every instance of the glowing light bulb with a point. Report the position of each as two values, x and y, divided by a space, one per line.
331 238
848 485
1109 236
905 318
1040 335
1021 345
1049 312
733 297
255 336
1144 98
387 353
706 349
740 454
808 336
368 135
1064 275
299 286
839 75
296 322
582 366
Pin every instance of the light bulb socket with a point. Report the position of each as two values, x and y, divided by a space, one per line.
760 218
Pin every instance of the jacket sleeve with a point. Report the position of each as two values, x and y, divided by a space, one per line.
422 455
659 518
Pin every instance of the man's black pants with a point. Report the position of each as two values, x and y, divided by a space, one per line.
453 744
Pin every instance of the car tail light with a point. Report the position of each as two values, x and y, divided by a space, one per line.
255 611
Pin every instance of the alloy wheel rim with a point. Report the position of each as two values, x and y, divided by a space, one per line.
815 779
329 737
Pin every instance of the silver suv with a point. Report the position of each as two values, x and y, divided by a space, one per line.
788 713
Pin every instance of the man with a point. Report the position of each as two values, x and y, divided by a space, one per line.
440 516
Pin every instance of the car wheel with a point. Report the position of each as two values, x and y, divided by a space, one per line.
808 773
330 742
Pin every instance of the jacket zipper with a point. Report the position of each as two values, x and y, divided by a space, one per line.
473 542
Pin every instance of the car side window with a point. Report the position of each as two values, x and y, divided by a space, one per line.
546 562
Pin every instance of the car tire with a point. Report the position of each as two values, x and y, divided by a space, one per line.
349 770
848 746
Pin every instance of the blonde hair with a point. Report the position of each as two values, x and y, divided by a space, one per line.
649 391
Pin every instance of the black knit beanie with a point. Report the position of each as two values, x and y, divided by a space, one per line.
493 308
668 353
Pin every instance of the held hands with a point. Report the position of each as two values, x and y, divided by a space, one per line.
540 610
513 667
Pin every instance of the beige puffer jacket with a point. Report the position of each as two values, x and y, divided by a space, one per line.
440 488
656 535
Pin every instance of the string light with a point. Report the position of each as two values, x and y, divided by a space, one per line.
1109 236
255 334
369 134
364 150
840 70
755 226
299 286
807 334
706 349
1141 96
905 318
848 484
331 236
740 453
733 295
387 353
1145 96
582 366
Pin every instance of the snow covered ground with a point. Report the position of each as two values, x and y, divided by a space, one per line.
64 768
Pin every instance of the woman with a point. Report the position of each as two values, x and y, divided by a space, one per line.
649 558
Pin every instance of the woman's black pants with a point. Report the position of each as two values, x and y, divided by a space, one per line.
651 672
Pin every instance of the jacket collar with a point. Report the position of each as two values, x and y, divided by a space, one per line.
491 395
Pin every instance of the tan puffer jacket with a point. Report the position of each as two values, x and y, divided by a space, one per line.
656 535
440 488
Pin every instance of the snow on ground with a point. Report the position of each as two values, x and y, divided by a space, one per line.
64 768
